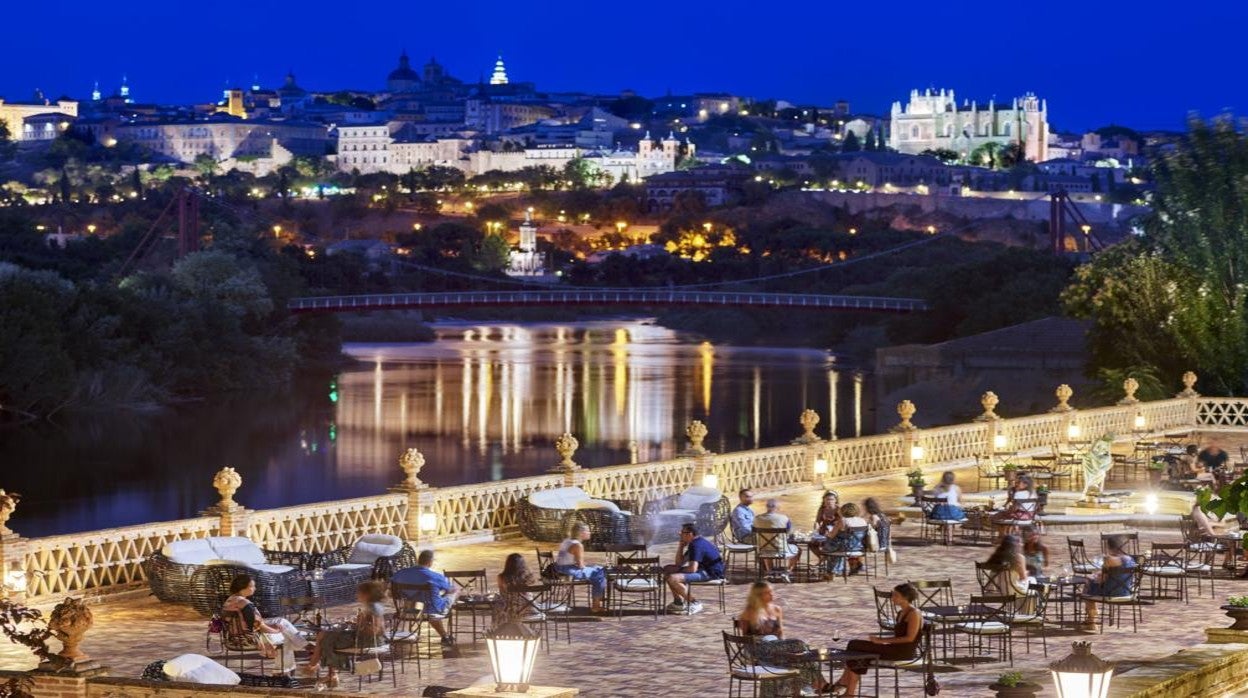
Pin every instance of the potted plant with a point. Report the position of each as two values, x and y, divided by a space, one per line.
1012 685
1010 471
1156 468
1237 609
917 484
1042 498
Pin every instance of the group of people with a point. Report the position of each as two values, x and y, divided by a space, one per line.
838 528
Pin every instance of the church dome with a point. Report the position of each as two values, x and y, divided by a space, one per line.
403 77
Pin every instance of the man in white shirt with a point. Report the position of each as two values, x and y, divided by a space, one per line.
775 545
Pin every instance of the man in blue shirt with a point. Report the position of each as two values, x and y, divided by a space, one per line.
441 596
697 560
742 517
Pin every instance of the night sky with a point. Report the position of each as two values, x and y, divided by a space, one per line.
1145 64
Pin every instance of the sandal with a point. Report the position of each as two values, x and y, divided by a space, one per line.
836 689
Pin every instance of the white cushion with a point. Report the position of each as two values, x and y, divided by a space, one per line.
710 583
347 568
635 584
237 548
372 546
603 504
762 671
196 668
986 628
195 551
673 518
1164 570
272 569
558 498
694 497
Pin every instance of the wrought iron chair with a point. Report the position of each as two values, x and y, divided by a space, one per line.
744 669
943 529
1125 579
1080 563
1165 565
470 583
639 579
994 621
771 550
244 643
1032 620
407 625
1130 542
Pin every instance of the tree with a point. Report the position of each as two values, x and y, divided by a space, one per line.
7 146
945 155
492 254
851 144
206 166
579 172
1178 299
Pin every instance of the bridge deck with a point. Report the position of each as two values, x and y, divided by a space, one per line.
602 296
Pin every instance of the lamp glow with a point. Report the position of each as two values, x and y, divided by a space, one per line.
1074 431
821 466
1150 503
1082 674
916 452
513 648
999 442
15 582
428 521
1140 423
710 480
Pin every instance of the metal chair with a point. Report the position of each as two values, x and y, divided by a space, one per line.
995 621
743 669
422 593
771 548
1033 620
1080 563
990 578
545 559
944 528
639 579
731 550
884 609
1130 542
919 661
470 582
1166 564
1198 563
1128 579
855 548
377 649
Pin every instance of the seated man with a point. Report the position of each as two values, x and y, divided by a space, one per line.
742 517
442 591
697 560
774 548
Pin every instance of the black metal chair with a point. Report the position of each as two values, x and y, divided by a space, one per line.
407 625
1128 579
1164 566
942 529
1032 619
1080 563
1130 542
771 550
994 620
744 669
635 584
470 583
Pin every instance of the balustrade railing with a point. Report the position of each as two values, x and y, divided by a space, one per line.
111 560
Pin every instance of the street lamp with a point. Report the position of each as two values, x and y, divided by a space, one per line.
428 521
277 231
999 442
710 480
821 467
512 647
1073 431
1082 674
1140 422
917 453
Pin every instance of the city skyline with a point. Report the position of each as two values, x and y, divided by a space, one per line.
1112 80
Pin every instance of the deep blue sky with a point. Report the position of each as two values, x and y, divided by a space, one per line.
1145 63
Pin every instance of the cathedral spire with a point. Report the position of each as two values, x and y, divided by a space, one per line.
499 77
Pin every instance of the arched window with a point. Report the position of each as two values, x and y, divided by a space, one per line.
948 130
1005 129
914 131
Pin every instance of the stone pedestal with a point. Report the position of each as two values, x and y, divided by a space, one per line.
1224 636
70 682
487 691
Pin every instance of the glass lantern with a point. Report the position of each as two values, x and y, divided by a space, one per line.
1082 674
512 647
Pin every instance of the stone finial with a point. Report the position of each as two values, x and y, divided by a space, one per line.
696 431
809 419
1189 385
227 481
566 445
1129 386
411 462
1064 393
905 410
989 401
69 621
8 504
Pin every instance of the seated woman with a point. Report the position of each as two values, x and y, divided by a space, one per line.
278 632
950 508
829 513
1209 535
367 630
1020 505
764 620
512 605
1011 577
570 562
841 540
877 519
1107 584
1035 552
904 644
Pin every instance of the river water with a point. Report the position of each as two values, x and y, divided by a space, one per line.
484 402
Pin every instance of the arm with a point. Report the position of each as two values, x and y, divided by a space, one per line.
578 554
912 633
779 622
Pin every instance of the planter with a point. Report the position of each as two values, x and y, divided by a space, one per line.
1042 501
1011 474
1239 614
1025 689
917 493
1154 477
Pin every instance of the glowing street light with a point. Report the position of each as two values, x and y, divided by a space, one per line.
513 648
1082 674
277 231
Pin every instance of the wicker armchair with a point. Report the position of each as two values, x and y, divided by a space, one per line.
699 505
546 517
350 560
210 587
170 581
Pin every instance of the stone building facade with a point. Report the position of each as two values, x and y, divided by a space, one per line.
934 120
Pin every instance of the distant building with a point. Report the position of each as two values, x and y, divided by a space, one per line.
934 120
374 252
395 147
224 138
15 114
877 169
525 260
714 184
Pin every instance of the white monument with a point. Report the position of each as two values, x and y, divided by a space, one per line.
525 260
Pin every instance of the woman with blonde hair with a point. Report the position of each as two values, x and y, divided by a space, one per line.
570 562
762 618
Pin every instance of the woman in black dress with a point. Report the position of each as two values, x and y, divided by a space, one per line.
904 644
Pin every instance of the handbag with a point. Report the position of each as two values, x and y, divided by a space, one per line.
892 555
873 540
367 667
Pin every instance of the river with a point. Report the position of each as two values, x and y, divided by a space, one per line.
484 402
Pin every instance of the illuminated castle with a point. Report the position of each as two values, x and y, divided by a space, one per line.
934 120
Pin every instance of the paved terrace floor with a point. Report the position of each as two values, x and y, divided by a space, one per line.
683 656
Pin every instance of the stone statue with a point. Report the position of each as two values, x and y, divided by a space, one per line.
905 410
809 419
8 503
566 445
696 431
1096 464
227 481
69 621
411 462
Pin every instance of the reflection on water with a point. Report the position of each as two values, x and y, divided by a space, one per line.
484 402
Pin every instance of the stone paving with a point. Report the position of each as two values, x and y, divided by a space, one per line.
683 655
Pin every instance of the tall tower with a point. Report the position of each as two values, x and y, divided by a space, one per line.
1035 117
645 146
499 76
671 146
528 233
125 90
95 92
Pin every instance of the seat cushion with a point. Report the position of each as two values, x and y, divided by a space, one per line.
762 671
603 504
237 548
195 551
1164 570
635 584
696 496
372 546
675 517
272 569
196 668
558 498
347 568
991 627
